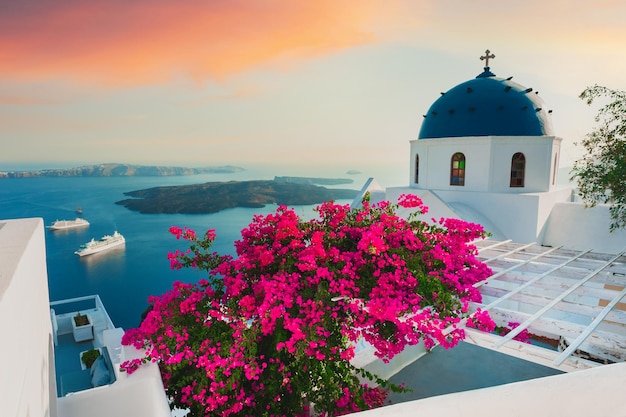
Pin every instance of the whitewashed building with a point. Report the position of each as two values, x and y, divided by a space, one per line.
41 374
486 153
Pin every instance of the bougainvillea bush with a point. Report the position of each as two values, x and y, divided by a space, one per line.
271 331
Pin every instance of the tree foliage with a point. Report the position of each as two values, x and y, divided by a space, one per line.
601 173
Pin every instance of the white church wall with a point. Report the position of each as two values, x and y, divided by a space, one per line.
488 162
436 207
519 217
514 215
539 156
27 382
435 156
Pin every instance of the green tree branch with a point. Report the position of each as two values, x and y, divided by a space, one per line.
601 173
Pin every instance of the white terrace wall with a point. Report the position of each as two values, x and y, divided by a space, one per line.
27 387
578 227
519 217
594 392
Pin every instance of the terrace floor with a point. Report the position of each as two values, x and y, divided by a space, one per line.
463 368
67 355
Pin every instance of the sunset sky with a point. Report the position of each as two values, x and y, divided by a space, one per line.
324 82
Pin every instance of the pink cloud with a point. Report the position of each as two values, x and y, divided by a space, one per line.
140 42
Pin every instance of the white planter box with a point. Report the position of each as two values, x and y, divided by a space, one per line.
82 333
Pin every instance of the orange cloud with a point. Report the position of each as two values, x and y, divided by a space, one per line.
145 41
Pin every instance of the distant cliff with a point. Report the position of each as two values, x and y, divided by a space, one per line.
119 170
314 181
212 197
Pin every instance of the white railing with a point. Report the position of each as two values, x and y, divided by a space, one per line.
55 326
97 304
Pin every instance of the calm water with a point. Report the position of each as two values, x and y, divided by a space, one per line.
124 278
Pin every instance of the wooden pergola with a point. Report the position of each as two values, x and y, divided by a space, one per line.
570 300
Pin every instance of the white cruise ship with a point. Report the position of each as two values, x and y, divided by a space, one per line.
68 224
105 243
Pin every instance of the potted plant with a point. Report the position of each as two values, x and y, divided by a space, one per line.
89 356
82 327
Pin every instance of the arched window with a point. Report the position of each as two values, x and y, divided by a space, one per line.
457 169
417 169
518 168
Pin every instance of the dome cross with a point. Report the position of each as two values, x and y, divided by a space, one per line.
488 55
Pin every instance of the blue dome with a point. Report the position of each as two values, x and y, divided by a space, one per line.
487 106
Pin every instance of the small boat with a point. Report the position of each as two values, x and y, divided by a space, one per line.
79 210
68 224
105 243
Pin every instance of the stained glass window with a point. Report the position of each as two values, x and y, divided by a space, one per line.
417 168
457 169
518 168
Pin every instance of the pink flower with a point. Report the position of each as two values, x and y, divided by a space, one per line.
176 231
412 201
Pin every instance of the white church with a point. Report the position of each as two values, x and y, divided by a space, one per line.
486 153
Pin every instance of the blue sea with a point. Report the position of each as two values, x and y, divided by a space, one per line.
125 278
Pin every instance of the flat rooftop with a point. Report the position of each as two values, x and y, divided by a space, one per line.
463 368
